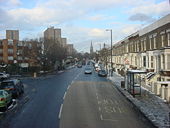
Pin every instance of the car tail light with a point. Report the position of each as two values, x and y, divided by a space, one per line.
2 99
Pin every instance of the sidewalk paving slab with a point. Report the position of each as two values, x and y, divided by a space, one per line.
152 106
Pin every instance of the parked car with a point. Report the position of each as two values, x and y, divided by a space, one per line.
5 99
102 73
88 70
79 66
13 86
3 76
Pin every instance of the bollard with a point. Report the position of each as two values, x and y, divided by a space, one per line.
35 74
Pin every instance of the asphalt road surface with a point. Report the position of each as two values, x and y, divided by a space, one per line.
73 99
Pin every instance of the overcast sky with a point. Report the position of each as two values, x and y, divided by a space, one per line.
80 20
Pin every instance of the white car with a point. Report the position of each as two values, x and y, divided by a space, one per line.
3 76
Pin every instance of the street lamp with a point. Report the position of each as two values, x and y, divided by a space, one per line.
111 49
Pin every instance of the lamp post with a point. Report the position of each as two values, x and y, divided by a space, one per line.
111 49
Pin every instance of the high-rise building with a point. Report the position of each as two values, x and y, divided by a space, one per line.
52 33
70 49
64 42
12 34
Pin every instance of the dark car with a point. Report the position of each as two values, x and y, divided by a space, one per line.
79 65
14 86
102 73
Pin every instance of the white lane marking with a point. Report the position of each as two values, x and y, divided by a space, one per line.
119 110
61 107
77 76
99 109
116 102
109 120
68 87
64 95
101 117
97 97
72 82
96 94
98 102
114 109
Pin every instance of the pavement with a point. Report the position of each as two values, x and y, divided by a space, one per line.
153 107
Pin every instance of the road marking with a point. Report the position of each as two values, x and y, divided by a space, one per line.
61 107
119 110
64 95
96 94
72 82
109 120
116 102
98 102
97 97
33 90
68 87
99 109
101 117
114 109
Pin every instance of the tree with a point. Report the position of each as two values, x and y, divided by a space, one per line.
54 51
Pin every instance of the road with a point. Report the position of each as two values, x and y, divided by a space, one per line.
73 99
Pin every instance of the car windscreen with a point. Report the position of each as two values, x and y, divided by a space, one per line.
1 92
88 68
7 85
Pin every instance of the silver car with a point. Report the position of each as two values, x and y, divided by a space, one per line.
88 70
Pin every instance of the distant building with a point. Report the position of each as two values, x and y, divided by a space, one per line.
64 41
12 34
91 48
70 49
52 33
23 53
8 51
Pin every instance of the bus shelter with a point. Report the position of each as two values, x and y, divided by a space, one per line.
134 81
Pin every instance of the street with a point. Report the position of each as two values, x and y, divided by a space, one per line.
72 99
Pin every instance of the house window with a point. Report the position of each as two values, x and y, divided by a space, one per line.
150 42
168 61
169 39
163 61
19 57
154 42
10 51
10 58
1 58
137 46
10 42
151 61
163 40
1 51
141 45
144 44
20 43
144 61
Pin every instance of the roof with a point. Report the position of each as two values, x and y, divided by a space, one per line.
136 71
155 25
